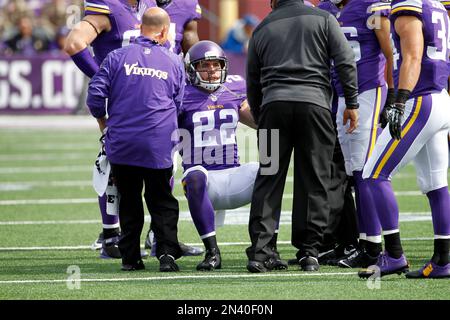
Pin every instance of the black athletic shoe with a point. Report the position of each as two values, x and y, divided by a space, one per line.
167 263
212 260
272 263
133 267
358 259
309 263
110 248
278 264
187 251
340 253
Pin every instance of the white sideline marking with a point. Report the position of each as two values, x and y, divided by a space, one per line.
14 223
179 198
62 122
215 276
223 244
44 147
46 201
10 170
27 185
41 157
234 217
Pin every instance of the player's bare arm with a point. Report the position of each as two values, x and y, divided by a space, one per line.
245 115
85 32
383 35
409 29
190 35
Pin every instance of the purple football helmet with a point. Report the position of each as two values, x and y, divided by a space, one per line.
201 51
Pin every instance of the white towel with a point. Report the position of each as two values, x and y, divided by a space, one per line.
100 173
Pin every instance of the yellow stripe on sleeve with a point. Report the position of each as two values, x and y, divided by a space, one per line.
380 8
97 10
406 9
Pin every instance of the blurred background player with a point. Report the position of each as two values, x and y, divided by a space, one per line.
107 25
213 178
237 38
419 121
184 15
367 29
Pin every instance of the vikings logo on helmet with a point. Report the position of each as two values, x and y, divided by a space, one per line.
201 51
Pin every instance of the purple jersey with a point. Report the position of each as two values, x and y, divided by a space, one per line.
435 57
181 12
211 119
144 84
370 61
329 7
446 4
125 23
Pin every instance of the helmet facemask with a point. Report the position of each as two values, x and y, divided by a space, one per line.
208 73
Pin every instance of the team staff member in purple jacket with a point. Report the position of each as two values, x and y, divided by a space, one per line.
144 85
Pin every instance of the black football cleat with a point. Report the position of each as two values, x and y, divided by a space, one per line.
309 263
110 248
212 261
358 259
133 267
167 263
272 263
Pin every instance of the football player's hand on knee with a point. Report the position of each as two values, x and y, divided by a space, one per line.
390 99
395 116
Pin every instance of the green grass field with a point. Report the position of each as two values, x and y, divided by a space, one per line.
49 217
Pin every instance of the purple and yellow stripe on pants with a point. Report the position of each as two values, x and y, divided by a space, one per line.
395 150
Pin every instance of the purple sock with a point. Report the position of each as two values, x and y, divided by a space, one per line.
385 202
440 210
361 227
85 62
109 221
368 214
200 206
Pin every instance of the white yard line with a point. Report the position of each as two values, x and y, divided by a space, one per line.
42 157
185 216
48 169
200 277
62 122
179 198
44 147
28 185
222 244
